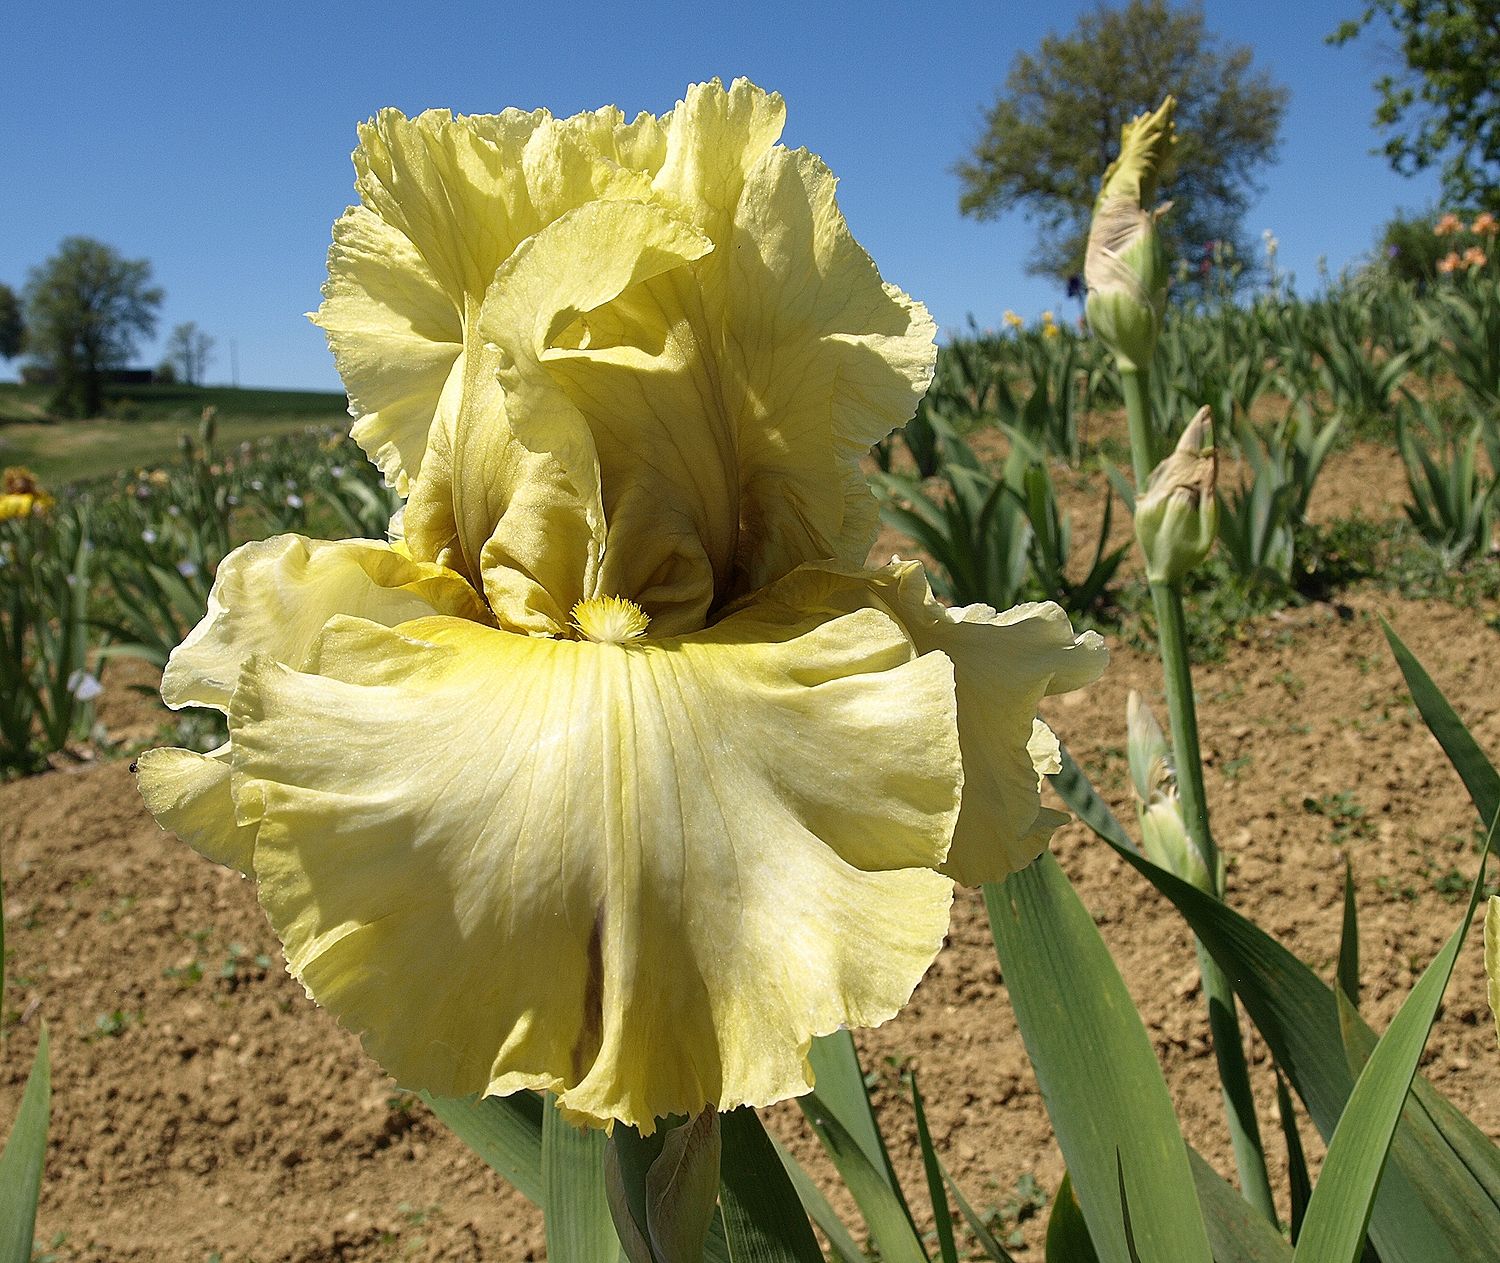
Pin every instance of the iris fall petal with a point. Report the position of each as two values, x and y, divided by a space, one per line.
1003 665
188 793
651 881
274 596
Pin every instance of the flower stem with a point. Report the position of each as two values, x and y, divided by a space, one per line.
1171 636
1218 993
1134 383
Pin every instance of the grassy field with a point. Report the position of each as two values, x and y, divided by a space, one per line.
145 423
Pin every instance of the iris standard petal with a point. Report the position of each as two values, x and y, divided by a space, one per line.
273 597
395 335
730 399
572 267
822 358
718 396
444 202
1003 665
641 876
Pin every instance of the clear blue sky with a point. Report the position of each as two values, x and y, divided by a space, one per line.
214 139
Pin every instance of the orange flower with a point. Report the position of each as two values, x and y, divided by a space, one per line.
1449 223
1448 263
1474 257
1485 224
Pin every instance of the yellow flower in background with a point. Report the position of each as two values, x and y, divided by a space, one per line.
1013 320
616 774
1049 326
20 495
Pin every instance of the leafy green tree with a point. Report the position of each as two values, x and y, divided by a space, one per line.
1445 107
12 329
85 307
1056 126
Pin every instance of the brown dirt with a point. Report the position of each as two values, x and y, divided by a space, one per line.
229 1116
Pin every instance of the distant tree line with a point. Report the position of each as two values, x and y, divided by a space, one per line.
79 320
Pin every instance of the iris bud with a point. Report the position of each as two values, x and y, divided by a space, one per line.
1126 266
1164 834
1178 517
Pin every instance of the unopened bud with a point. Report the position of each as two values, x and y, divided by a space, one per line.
1164 838
1164 834
1178 517
1146 747
1126 266
662 1189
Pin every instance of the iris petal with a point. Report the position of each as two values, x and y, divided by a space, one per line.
188 793
1003 665
273 596
684 404
640 876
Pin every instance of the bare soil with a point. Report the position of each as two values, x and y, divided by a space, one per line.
203 1107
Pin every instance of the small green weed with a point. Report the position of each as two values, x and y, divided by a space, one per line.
122 906
187 975
48 1252
113 1025
1027 1204
1343 813
1451 884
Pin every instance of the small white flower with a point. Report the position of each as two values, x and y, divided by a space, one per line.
291 484
257 485
174 510
84 686
337 471
231 499
148 535
187 569
294 502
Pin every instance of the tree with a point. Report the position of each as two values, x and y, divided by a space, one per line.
12 330
1056 126
191 350
1446 105
85 307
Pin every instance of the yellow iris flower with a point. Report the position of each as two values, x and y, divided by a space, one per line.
20 496
615 774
